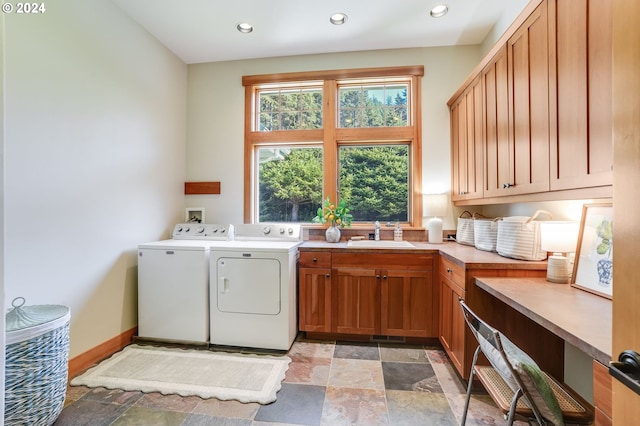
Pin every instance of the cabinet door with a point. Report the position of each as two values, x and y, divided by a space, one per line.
582 138
452 324
315 299
528 74
466 144
496 126
516 88
356 301
407 301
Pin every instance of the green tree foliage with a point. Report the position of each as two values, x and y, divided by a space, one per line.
374 182
291 187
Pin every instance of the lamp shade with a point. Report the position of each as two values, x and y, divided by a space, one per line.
434 205
559 236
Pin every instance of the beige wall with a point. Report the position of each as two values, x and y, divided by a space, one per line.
511 11
95 129
215 115
2 297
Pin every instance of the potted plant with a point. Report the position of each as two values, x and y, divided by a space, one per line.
337 217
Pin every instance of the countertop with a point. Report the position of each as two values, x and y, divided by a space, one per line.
466 256
577 316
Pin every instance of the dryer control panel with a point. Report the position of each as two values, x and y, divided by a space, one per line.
268 232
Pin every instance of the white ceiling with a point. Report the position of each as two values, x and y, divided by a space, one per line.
205 30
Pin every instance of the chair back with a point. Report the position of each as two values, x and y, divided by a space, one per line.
491 346
515 367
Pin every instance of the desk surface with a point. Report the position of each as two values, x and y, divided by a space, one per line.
578 317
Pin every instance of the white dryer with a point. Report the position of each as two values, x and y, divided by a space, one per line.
173 284
253 287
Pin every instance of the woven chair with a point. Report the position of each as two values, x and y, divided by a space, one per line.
516 384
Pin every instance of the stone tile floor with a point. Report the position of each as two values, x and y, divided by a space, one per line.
328 383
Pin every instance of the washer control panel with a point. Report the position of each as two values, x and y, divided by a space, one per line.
269 231
202 231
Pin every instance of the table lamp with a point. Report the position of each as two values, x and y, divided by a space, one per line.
559 238
435 206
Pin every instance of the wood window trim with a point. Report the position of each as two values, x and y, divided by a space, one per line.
331 136
253 80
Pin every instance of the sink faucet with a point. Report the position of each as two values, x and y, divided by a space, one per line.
377 231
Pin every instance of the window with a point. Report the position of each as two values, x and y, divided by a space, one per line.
372 105
289 109
374 180
347 134
286 177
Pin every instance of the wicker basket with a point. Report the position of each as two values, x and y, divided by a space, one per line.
36 363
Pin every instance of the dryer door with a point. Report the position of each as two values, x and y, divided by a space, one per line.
248 285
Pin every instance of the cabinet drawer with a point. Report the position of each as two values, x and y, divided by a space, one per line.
453 272
315 259
391 260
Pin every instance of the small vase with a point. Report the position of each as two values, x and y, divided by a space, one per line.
332 234
605 272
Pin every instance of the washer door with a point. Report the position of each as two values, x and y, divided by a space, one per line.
248 285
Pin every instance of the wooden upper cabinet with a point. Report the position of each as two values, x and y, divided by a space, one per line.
528 84
467 143
516 90
539 109
496 125
581 73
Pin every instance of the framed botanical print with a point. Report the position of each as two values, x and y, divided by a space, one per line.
593 265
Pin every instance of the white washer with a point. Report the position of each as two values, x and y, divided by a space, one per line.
173 284
253 287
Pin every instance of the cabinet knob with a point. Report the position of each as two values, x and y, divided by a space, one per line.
328 275
384 277
449 270
463 192
315 259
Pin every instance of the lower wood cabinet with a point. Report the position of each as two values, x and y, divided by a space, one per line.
314 292
408 303
602 395
363 293
452 323
356 301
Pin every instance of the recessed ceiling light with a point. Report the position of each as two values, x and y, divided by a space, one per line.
244 27
338 18
439 11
